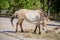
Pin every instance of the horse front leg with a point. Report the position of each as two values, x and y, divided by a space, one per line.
37 25
39 28
35 29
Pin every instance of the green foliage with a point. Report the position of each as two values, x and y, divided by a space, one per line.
30 4
4 4
13 5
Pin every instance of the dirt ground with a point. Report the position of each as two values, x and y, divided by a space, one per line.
7 31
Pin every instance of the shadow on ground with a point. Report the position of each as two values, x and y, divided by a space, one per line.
53 25
11 35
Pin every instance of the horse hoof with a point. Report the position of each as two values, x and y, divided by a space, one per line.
16 31
46 31
58 32
22 31
34 32
39 33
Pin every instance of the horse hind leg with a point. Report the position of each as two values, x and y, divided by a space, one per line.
21 22
17 26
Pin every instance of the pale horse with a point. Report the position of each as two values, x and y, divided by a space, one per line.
34 16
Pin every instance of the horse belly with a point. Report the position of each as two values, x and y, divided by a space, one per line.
31 16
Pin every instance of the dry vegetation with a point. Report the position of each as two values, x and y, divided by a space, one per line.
49 36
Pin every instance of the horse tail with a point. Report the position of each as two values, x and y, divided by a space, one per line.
13 16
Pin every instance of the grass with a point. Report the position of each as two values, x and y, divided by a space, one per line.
49 36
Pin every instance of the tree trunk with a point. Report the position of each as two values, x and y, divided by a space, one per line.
43 4
49 2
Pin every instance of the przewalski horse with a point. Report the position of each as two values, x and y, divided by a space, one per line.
34 16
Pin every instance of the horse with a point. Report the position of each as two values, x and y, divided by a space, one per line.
34 16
